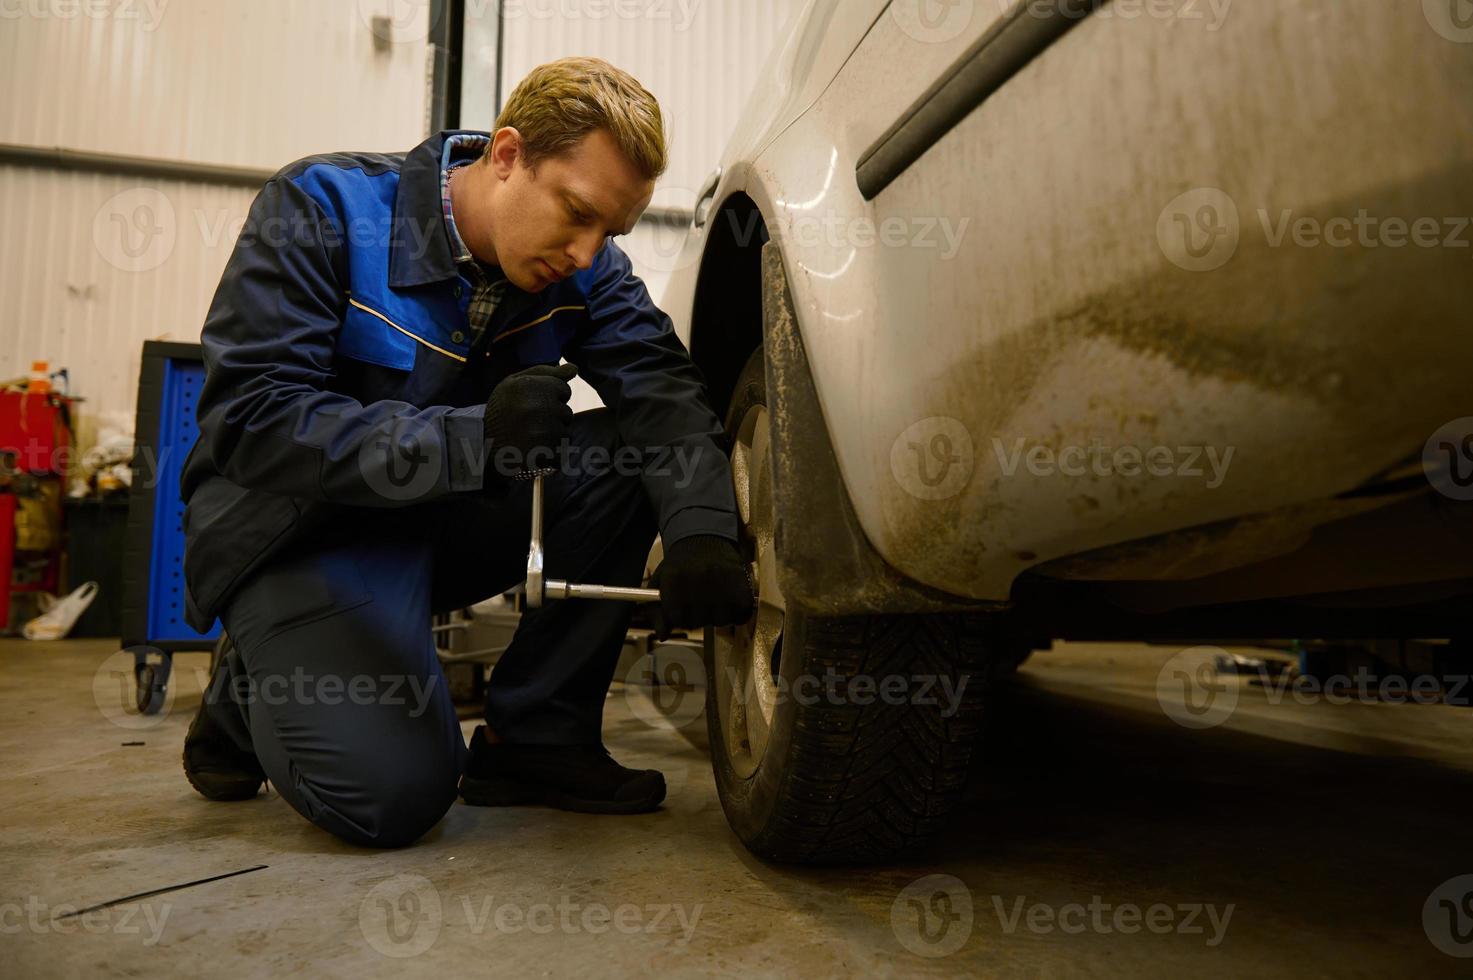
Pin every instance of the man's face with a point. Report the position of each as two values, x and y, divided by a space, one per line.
546 227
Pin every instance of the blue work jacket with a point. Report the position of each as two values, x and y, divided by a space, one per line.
340 372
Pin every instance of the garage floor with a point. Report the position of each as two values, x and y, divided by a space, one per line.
1325 828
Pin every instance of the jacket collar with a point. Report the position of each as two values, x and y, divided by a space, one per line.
419 248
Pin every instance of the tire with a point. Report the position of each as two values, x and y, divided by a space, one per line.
806 772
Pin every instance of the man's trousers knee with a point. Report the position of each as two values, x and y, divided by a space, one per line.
335 683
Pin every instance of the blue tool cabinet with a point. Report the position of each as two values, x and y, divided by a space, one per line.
154 629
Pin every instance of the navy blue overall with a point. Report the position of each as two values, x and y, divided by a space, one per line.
338 493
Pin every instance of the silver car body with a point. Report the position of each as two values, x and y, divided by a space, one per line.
1150 243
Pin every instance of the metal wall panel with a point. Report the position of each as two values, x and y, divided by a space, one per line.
93 265
700 58
86 275
244 82
260 83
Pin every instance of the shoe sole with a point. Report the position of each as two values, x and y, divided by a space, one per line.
509 792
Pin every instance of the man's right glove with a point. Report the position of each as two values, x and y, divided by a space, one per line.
529 411
703 582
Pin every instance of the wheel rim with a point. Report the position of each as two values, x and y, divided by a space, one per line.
747 657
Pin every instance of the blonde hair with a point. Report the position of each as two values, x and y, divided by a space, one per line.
561 102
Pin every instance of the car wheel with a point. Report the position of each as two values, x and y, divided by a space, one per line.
814 761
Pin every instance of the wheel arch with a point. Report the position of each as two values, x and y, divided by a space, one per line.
826 563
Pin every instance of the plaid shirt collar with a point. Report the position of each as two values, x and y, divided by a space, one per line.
460 150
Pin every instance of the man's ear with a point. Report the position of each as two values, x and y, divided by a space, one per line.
506 150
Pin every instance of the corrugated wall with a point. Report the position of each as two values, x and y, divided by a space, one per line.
91 265
244 82
700 58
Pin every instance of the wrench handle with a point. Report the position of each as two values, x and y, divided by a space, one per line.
558 589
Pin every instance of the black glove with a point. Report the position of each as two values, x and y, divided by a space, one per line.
703 582
529 411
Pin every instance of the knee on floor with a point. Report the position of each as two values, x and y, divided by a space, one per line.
382 805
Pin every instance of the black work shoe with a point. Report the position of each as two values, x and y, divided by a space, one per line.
583 778
213 763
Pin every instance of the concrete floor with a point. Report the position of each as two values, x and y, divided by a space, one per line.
1325 828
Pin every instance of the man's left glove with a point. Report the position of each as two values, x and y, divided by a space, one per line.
703 582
